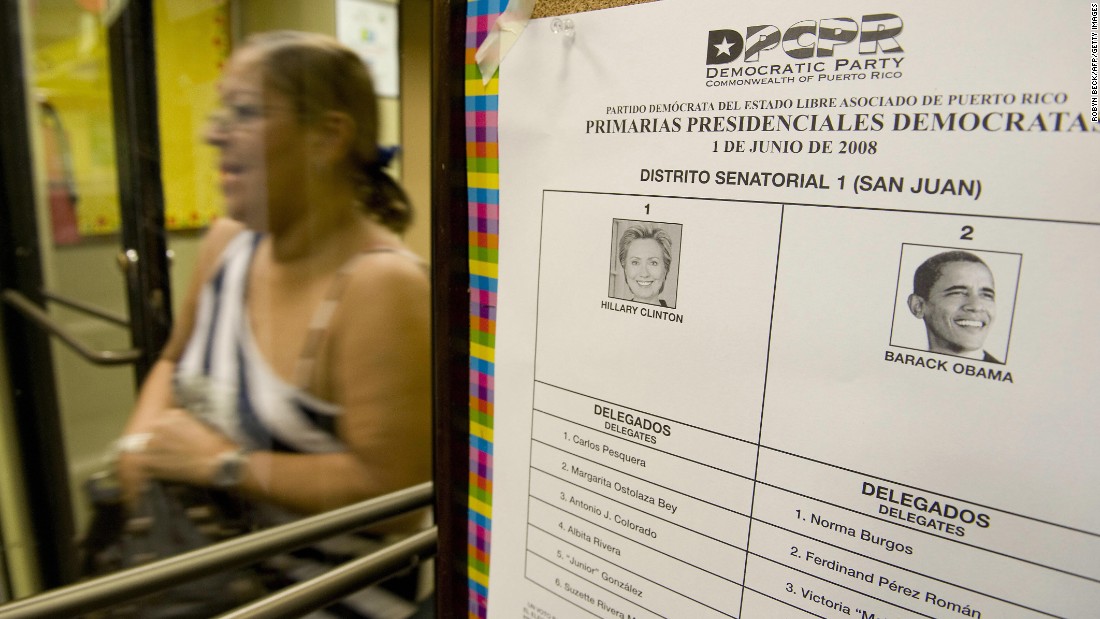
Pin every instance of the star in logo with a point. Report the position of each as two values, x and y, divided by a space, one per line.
723 47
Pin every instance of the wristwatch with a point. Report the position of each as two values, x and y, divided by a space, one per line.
231 468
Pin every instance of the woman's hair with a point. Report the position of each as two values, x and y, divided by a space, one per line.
318 75
642 231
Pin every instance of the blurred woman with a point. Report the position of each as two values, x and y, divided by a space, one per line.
297 374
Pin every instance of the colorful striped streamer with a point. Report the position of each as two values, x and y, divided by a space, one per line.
482 183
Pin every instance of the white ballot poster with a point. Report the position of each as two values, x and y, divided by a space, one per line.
797 313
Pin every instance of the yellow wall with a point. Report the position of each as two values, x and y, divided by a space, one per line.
73 76
260 15
192 41
416 115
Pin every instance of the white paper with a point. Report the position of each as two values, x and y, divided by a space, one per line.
775 436
369 27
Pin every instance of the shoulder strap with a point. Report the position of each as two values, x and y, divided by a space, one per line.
322 317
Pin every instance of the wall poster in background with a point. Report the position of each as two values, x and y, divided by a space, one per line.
370 28
796 313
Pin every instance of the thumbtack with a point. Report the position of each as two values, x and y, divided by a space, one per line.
563 26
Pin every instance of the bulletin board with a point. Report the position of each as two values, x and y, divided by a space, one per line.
755 308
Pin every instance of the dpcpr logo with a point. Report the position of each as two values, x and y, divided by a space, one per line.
876 33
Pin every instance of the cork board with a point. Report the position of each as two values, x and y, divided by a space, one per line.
551 8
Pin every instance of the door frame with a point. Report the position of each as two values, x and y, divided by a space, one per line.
34 401
29 360
140 189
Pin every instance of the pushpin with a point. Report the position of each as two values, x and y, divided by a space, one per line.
563 26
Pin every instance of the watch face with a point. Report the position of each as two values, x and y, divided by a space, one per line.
230 469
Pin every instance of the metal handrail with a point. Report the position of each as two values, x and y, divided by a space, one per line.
87 308
36 315
318 592
106 591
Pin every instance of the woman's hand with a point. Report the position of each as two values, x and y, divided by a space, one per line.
131 477
182 448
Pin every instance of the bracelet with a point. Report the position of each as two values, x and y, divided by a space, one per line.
132 443
126 444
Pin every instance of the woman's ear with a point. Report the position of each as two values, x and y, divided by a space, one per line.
333 137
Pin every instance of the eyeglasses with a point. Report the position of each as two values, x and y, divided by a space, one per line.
237 115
